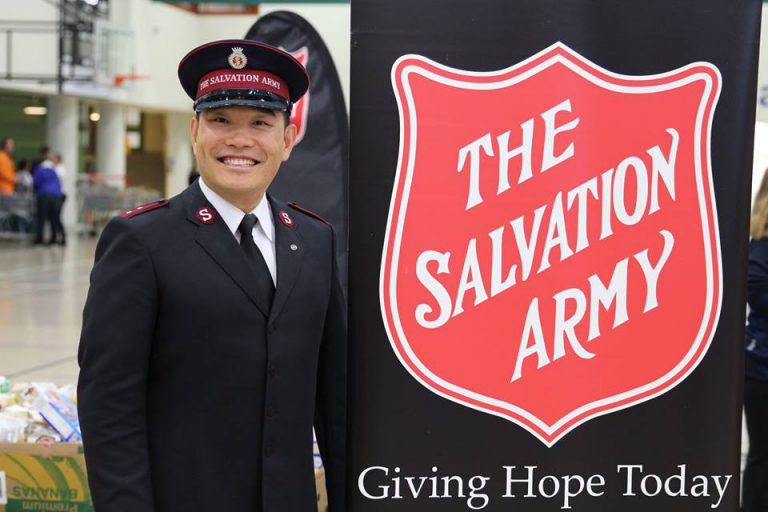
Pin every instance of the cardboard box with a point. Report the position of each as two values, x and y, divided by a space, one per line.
322 497
52 478
39 477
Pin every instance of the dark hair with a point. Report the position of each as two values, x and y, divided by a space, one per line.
22 164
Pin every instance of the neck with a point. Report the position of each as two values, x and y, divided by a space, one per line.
246 204
245 201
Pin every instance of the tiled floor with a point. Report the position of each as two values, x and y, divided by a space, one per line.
42 292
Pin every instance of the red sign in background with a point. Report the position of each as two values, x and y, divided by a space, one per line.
601 147
301 108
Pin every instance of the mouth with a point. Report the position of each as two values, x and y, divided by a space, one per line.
238 162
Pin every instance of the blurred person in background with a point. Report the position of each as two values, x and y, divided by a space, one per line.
23 177
24 183
47 188
43 155
755 483
7 168
61 172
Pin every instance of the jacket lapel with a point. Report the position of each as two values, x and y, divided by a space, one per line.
289 251
217 240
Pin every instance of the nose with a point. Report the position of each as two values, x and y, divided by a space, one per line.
239 138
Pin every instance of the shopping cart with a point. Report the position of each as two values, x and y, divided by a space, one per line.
97 203
17 216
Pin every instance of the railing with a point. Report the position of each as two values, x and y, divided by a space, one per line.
74 35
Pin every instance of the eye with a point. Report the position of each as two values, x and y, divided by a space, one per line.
261 122
215 117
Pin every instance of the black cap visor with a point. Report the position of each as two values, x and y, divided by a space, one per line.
254 98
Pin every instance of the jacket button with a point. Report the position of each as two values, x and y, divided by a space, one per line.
268 451
272 329
272 370
271 411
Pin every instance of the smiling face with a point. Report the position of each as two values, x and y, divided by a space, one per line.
239 150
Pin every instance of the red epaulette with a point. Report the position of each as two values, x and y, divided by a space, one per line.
307 212
154 205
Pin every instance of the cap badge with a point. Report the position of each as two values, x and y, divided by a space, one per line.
286 219
206 215
237 58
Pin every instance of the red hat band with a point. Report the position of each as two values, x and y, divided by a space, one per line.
245 79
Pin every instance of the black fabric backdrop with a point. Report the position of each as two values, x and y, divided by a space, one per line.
316 176
394 420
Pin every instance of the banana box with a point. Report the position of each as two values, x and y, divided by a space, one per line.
38 477
322 496
52 478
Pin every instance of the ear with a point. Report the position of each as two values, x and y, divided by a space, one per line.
289 138
193 134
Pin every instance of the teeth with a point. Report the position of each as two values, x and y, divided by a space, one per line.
241 162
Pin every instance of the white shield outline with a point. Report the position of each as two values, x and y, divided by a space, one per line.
560 54
300 112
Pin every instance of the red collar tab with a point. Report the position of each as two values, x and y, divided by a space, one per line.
144 208
242 79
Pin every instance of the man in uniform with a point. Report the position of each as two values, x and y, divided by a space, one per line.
214 334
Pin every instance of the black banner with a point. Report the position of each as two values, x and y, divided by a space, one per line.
549 218
316 175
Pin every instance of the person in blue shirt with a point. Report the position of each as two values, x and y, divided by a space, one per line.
47 188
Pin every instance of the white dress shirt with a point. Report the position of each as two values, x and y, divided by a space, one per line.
263 231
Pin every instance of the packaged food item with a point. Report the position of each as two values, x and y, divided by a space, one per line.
70 392
19 412
60 413
7 399
316 451
11 428
42 434
38 412
28 393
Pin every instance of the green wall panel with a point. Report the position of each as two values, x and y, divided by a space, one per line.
27 131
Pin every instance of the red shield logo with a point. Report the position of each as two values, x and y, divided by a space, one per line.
552 252
301 108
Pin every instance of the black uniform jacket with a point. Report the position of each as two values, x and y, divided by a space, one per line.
193 394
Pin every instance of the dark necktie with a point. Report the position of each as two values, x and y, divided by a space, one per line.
263 277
